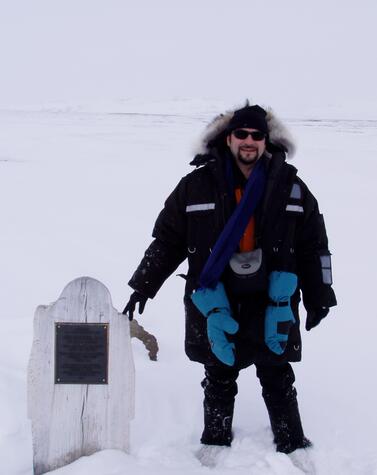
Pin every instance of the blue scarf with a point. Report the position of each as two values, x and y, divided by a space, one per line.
231 235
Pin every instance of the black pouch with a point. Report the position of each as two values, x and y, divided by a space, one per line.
246 273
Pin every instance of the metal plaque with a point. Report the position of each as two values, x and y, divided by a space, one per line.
81 353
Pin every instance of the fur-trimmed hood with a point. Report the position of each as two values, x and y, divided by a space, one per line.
215 132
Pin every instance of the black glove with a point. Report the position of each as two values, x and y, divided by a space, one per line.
314 316
134 299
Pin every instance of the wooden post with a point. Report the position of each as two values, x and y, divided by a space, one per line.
70 420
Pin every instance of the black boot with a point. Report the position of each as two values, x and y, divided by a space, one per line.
217 424
286 425
280 397
220 389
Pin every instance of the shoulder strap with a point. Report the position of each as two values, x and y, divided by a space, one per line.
231 234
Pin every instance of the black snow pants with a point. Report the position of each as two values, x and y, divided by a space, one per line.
220 389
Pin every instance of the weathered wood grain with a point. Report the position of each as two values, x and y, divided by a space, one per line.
72 420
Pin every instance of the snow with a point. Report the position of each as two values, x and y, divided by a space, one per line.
80 191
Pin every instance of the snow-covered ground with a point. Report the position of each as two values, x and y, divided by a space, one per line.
79 191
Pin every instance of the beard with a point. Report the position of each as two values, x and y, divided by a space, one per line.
248 157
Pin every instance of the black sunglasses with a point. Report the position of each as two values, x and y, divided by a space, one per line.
242 134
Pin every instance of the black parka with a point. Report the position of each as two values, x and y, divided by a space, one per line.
289 229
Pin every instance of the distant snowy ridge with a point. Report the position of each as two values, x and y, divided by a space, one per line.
198 108
168 115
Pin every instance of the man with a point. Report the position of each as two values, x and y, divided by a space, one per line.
243 201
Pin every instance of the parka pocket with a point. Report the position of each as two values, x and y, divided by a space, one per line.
200 227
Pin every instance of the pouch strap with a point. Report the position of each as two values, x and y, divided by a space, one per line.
277 304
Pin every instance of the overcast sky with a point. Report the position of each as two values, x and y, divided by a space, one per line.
292 54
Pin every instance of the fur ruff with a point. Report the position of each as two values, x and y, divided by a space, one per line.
278 133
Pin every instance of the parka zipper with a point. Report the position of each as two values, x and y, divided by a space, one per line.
223 197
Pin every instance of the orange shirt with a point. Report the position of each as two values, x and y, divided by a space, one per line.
247 242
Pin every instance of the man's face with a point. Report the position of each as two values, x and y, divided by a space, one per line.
247 150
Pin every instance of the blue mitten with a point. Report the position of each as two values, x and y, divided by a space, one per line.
279 316
214 304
